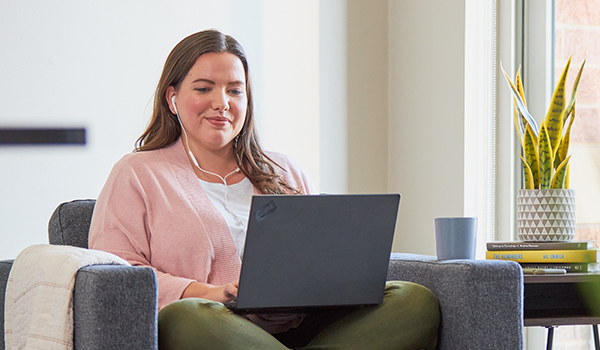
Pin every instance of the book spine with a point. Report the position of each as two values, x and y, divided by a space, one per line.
544 256
540 246
570 267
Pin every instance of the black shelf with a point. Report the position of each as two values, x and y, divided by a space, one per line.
42 136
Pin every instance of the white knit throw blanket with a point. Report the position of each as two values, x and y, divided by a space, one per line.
38 310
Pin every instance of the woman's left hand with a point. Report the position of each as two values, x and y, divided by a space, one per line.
222 294
230 290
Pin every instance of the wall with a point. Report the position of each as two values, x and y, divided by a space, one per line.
406 115
368 92
289 76
426 128
96 64
406 110
395 68
333 96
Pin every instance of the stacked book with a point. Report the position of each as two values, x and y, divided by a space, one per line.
571 256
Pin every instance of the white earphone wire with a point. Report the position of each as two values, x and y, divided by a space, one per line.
194 160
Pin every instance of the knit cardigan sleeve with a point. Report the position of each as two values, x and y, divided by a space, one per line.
153 212
121 223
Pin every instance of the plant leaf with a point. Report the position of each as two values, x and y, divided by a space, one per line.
528 176
545 159
520 105
519 126
563 148
520 121
555 117
557 156
560 176
571 104
530 150
519 86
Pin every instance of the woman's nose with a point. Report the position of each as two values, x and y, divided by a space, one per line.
221 101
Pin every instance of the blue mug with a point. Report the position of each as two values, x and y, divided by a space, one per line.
455 237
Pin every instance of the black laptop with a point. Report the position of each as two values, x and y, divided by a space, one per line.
304 252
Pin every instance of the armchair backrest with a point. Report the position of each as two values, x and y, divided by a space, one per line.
70 223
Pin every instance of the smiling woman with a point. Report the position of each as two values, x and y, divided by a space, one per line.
181 202
201 131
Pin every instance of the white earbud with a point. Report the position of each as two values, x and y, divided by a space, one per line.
173 102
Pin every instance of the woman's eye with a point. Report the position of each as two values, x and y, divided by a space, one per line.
203 90
236 91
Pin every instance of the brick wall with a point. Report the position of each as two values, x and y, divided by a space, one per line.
578 34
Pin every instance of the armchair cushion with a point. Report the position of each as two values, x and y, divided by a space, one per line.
70 223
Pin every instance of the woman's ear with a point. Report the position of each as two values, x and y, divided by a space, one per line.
169 95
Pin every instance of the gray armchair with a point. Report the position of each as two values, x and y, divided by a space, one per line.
115 306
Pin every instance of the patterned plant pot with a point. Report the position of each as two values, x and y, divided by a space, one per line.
546 215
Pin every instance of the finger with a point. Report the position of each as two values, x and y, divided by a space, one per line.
231 290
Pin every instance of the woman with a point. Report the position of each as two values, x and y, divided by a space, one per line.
179 204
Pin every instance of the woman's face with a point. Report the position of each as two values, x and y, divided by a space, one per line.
212 101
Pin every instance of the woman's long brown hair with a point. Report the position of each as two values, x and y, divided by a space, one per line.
164 128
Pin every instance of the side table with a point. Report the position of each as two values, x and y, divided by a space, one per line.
558 300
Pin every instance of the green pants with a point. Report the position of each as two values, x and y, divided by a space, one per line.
408 318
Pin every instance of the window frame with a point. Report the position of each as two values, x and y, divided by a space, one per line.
520 25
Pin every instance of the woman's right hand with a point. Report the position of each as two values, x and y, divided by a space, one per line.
207 291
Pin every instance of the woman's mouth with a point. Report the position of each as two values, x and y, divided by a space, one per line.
218 121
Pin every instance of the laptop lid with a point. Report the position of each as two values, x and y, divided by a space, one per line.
305 251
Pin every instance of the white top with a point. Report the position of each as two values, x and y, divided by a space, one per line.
233 202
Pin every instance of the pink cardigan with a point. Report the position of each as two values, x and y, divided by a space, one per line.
153 212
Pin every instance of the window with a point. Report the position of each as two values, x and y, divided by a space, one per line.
552 31
577 33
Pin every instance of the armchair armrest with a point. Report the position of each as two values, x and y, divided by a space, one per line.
481 300
114 307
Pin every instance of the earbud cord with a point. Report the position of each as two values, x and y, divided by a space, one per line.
224 179
195 161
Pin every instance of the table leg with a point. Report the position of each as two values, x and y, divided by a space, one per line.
550 338
596 341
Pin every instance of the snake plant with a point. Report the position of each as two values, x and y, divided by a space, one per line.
545 148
